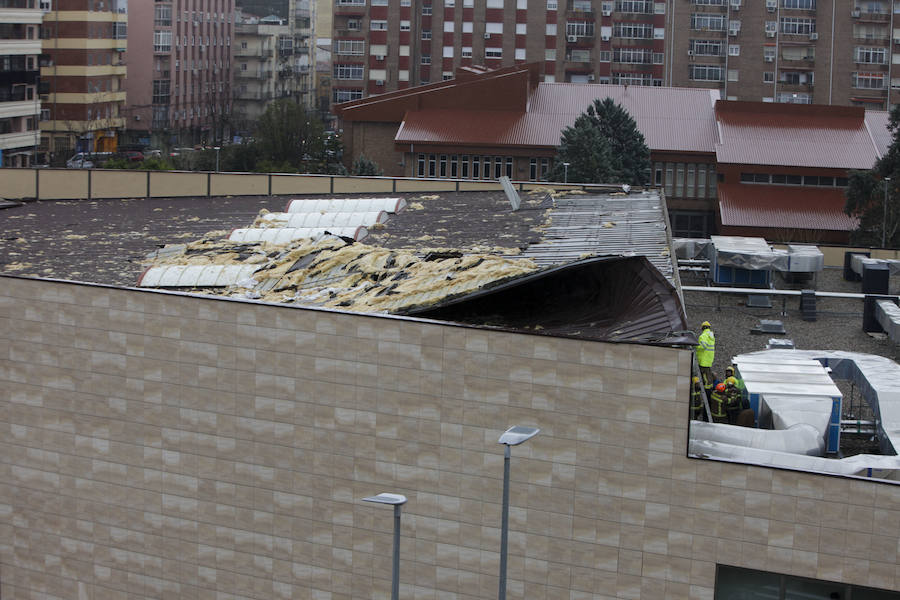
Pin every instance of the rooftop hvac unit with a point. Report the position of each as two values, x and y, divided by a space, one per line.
606 12
856 12
733 32
572 39
487 36
813 36
379 82
770 59
604 38
379 57
591 77
137 117
770 34
690 52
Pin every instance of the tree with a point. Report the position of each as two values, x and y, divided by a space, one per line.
872 196
287 135
604 145
365 166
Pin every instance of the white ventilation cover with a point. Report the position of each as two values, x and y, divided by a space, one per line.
329 219
200 276
284 235
391 205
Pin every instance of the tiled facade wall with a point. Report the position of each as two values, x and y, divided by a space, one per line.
156 445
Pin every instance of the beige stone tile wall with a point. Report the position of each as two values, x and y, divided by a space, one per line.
165 446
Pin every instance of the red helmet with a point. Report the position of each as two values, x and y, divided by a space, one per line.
720 387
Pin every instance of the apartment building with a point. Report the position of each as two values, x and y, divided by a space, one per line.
82 76
20 48
799 51
271 61
179 84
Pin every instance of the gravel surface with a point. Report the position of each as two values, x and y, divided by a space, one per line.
838 327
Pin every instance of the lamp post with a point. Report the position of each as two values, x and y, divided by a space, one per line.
565 172
513 436
217 148
395 500
887 184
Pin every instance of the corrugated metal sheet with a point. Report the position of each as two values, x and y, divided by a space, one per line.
196 276
821 139
337 219
784 207
307 205
669 118
619 225
284 235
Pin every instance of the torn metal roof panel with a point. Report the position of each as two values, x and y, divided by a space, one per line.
608 224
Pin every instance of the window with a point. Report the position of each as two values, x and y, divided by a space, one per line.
550 55
162 41
635 6
426 34
793 98
769 77
162 15
734 582
642 31
426 59
378 25
348 71
627 55
496 53
551 29
705 21
426 10
404 25
875 56
734 50
632 78
869 81
552 4
466 52
707 47
580 28
467 27
705 72
801 4
798 25
709 2
350 47
464 172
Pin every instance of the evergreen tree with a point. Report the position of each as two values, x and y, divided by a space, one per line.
365 166
604 145
287 135
872 196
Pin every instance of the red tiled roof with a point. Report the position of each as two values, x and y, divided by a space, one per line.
827 137
784 207
675 119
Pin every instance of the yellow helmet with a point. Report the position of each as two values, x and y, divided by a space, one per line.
731 381
729 370
695 379
705 324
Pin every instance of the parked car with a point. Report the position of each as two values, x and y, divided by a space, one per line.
88 160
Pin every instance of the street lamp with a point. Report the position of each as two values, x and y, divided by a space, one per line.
395 500
566 172
513 436
887 184
217 148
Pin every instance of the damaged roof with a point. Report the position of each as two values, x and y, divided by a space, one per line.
452 251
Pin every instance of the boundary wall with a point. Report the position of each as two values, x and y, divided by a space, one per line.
155 444
89 184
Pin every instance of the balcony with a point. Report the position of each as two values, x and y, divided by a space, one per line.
253 73
251 95
871 17
253 52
